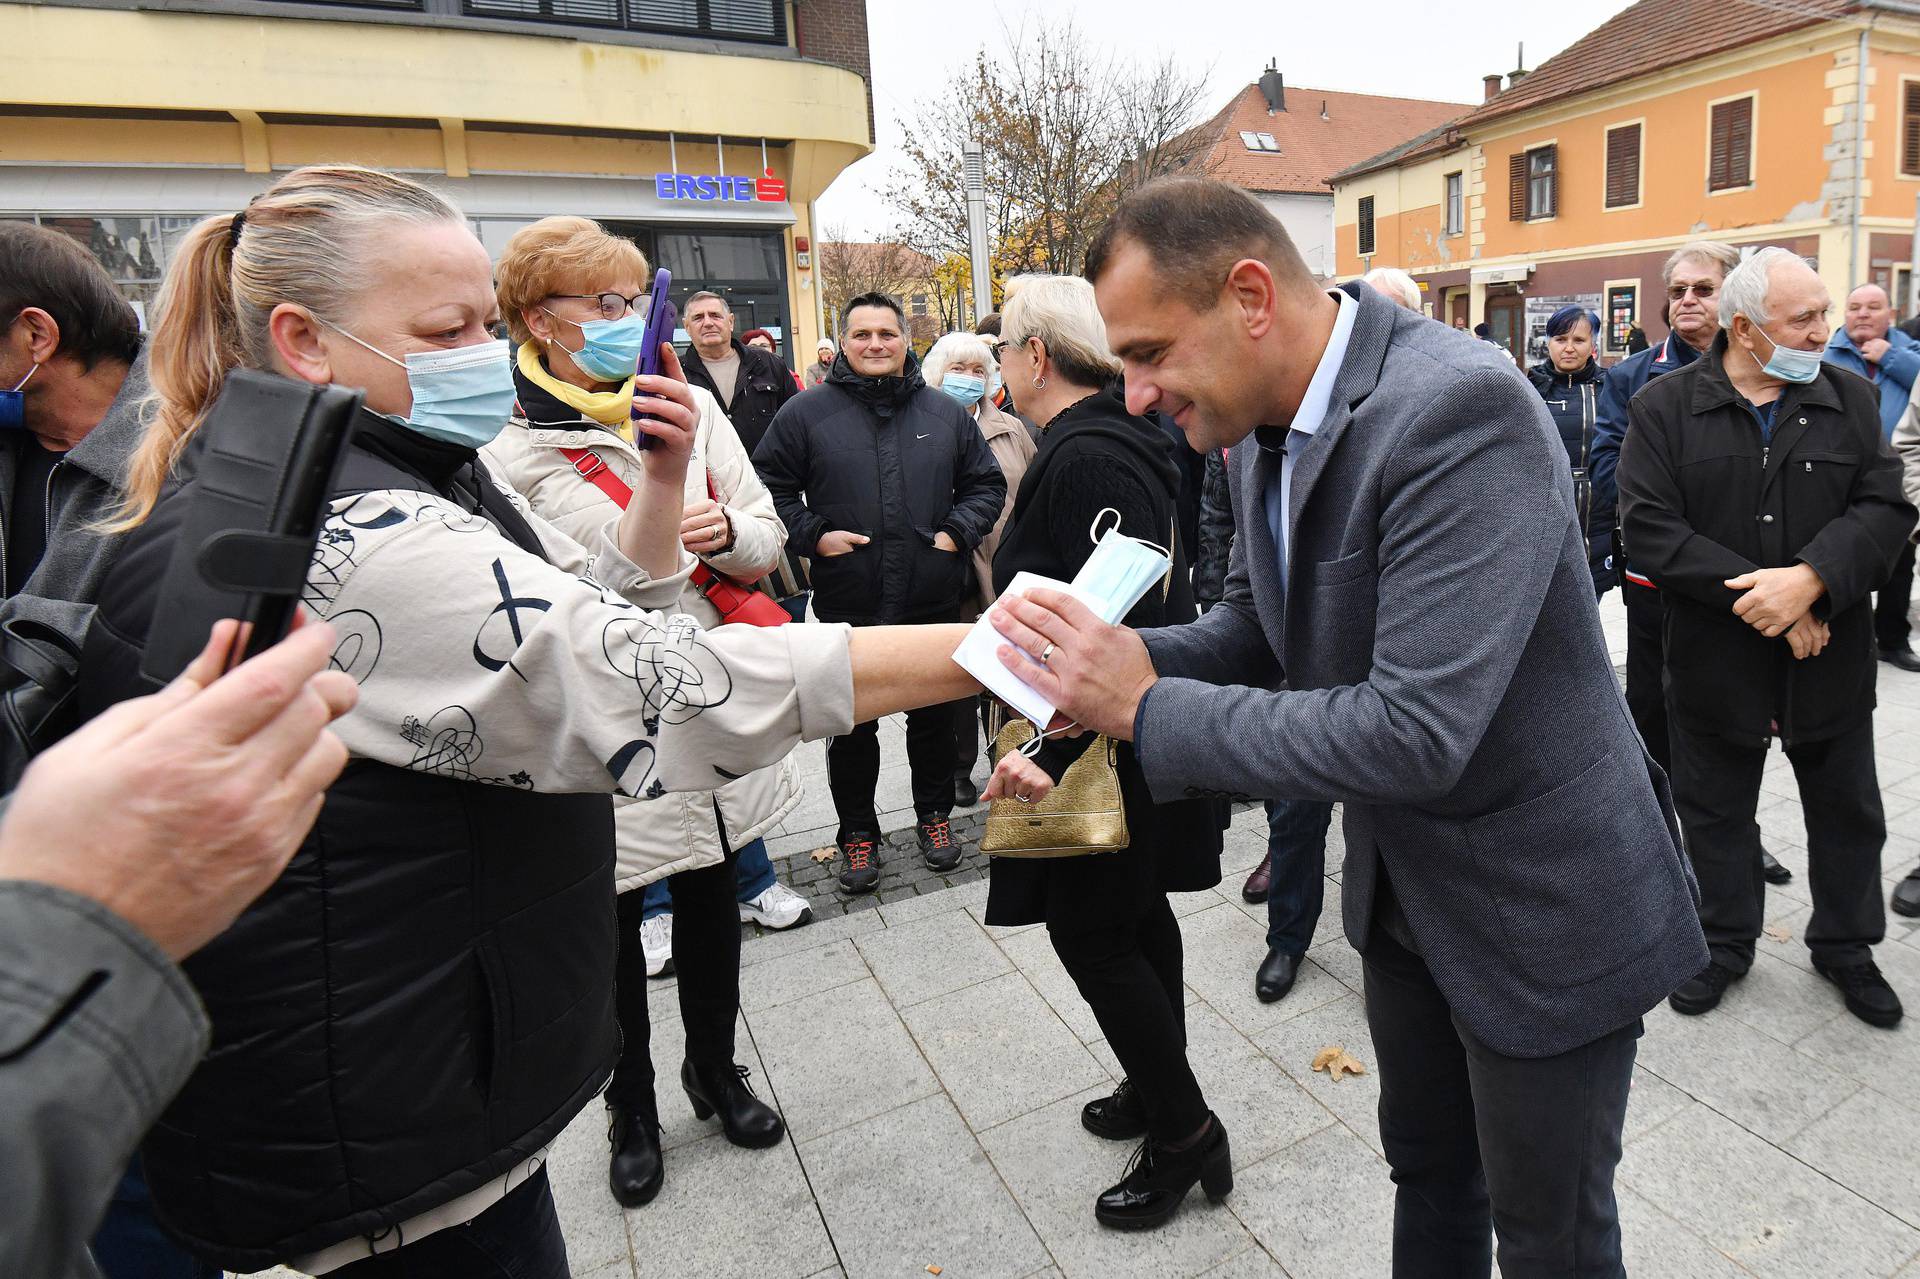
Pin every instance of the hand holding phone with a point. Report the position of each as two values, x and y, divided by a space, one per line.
662 315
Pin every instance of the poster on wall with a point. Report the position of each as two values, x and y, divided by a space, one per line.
1622 313
1540 309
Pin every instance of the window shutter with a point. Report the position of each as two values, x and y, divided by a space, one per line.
1365 229
1623 166
1910 129
1517 187
1730 154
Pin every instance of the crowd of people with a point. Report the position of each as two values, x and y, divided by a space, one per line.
317 957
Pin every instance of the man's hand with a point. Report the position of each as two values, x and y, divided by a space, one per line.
838 542
176 810
1807 637
1775 597
1094 673
1875 349
705 527
943 541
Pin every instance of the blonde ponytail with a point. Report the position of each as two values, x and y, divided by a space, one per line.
304 240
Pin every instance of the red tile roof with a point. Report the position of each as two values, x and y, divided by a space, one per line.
1313 146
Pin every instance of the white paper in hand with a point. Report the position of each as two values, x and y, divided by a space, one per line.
979 654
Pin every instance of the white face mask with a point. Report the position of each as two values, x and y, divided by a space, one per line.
1121 569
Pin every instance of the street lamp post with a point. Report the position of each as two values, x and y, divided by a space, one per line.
973 164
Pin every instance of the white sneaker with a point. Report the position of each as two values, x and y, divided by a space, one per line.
656 943
779 907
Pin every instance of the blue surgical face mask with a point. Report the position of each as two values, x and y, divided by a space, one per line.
993 379
462 396
1787 364
612 348
1121 569
13 404
964 387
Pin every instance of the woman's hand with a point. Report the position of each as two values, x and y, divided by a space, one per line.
705 527
1017 777
673 419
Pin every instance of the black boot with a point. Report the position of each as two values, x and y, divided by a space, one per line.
745 1119
1119 1117
1158 1178
636 1170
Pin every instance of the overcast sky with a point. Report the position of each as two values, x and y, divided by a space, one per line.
1407 48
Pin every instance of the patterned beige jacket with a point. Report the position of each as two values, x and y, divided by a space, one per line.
661 837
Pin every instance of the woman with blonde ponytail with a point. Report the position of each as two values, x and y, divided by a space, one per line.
406 1021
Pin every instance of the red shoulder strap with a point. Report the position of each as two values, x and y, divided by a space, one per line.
595 472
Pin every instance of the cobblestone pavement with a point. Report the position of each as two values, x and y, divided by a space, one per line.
931 1070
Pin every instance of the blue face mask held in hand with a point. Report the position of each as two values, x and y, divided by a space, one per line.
460 396
612 348
1787 364
964 387
13 404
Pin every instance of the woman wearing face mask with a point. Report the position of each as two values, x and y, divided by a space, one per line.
1569 381
408 1018
959 364
570 293
1107 914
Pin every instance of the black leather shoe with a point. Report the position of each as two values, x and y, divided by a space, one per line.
1260 882
1867 994
1772 871
1701 992
1119 1117
1157 1180
965 793
1903 657
1906 895
1275 976
724 1089
636 1170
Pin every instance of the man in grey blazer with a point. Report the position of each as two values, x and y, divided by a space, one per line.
1408 629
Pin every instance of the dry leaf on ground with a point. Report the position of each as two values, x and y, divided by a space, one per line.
822 854
933 1270
1778 932
1335 1060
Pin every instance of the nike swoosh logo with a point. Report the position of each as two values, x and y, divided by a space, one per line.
921 437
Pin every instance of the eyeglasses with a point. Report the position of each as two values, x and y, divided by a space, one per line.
1702 290
612 305
999 349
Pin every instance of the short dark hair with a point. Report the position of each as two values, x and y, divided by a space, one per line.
703 295
872 299
989 326
48 269
1567 316
1194 230
1483 330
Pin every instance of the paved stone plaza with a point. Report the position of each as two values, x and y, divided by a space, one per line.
931 1071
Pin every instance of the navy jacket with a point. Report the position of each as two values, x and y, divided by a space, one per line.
1571 401
1623 382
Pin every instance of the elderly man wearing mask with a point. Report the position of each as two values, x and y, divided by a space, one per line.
1765 584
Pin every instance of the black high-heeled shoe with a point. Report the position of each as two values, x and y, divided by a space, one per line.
1157 1179
636 1171
723 1089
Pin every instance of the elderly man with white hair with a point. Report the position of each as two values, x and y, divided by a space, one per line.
1395 285
1758 493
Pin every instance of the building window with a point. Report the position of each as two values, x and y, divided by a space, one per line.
1532 181
1456 203
1365 228
1910 128
919 304
1623 166
757 20
1730 145
1258 141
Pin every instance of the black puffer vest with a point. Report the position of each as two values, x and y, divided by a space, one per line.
420 1002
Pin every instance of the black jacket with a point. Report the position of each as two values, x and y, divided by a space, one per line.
1215 543
896 461
1096 455
1704 499
422 1000
1572 400
764 384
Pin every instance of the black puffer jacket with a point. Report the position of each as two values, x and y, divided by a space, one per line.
763 384
892 459
420 1002
1573 400
1215 542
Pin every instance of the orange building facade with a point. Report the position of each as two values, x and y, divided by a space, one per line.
1575 183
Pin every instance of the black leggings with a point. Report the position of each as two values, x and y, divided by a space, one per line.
706 962
1129 974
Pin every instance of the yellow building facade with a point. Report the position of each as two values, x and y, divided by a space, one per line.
1808 138
704 139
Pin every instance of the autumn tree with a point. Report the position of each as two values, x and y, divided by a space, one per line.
848 269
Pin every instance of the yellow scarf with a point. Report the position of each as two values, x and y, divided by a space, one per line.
611 409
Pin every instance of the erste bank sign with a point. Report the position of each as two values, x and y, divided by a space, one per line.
707 188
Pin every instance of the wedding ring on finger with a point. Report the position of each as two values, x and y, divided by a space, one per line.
1024 799
1045 653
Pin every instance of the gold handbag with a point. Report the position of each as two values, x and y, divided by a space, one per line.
1083 814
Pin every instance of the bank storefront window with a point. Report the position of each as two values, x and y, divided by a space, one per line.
135 249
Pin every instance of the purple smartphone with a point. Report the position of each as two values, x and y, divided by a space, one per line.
661 318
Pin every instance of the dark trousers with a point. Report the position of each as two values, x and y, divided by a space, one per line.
1129 974
969 720
1297 843
517 1238
1646 658
129 1243
1716 788
1524 1147
706 964
853 769
1890 606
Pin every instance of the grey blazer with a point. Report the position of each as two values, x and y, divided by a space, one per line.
1445 677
